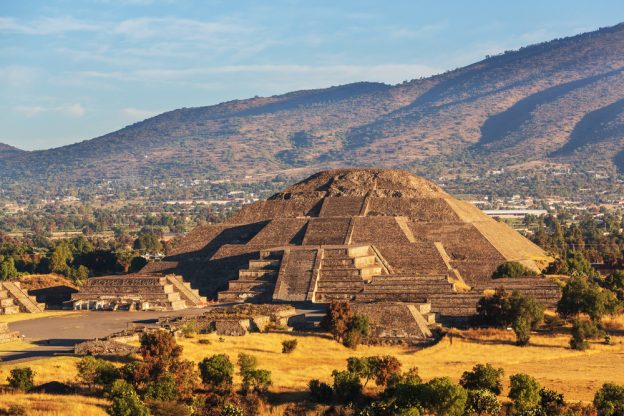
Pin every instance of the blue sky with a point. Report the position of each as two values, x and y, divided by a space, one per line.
74 70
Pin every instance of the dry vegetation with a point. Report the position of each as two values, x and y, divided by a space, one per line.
577 374
22 316
51 405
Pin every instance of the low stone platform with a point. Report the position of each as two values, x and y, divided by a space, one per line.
137 292
397 322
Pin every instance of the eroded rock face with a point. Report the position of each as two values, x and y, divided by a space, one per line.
364 235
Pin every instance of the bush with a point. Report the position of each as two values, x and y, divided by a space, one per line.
345 326
380 368
97 372
609 400
512 269
217 370
231 410
525 392
347 386
125 401
21 379
581 331
483 377
551 402
443 397
579 295
481 402
254 379
289 346
320 392
158 408
163 389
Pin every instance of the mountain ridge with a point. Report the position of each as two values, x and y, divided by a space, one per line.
551 102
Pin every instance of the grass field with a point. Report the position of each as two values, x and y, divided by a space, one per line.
54 405
577 374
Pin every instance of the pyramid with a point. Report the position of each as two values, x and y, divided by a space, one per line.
368 235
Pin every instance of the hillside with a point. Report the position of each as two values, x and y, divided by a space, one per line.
558 101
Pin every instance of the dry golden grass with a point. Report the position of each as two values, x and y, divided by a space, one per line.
50 405
15 317
61 369
577 374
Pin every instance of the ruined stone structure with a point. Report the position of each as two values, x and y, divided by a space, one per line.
365 235
137 292
14 299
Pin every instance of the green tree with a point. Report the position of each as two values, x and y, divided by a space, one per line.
525 392
482 402
609 400
97 372
320 392
254 379
347 386
551 402
579 295
21 379
164 389
60 258
217 370
443 397
125 401
581 331
7 268
512 269
483 377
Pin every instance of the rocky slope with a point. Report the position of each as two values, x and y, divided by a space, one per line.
559 101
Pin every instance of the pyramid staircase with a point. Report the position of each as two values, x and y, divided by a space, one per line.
344 271
14 299
256 283
136 292
414 289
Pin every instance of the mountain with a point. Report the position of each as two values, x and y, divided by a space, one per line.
9 151
560 101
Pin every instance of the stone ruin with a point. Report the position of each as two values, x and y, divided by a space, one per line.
360 235
6 335
137 292
14 299
238 320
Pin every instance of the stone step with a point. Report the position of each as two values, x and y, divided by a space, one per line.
264 264
332 297
174 296
349 261
242 286
7 310
6 302
255 274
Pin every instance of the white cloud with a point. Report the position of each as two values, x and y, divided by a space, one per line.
45 25
69 110
176 28
342 73
18 76
138 113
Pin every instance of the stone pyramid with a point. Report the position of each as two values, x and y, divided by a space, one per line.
357 234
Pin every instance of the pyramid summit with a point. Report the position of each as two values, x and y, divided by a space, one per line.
365 235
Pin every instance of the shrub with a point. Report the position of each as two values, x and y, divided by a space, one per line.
158 408
21 379
579 295
125 401
163 389
217 370
320 392
347 386
443 397
254 379
480 402
380 368
581 331
97 372
289 346
551 402
483 377
512 269
345 326
609 400
231 410
525 392
520 311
